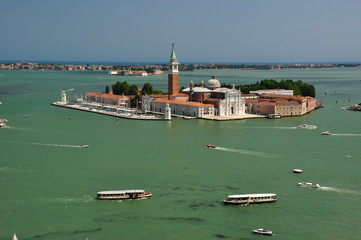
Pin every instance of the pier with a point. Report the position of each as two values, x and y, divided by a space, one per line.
109 113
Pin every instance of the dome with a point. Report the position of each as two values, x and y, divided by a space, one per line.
213 83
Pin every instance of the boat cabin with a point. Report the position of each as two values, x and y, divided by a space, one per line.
122 194
250 198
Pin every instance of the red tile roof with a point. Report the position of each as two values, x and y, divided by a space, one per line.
197 104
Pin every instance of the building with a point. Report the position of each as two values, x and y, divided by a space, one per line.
199 102
283 105
107 98
273 91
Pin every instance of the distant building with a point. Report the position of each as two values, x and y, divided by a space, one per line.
273 91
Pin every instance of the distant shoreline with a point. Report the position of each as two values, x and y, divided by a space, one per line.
152 67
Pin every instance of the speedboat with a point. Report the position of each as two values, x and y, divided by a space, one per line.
2 122
262 231
305 126
211 146
309 185
84 146
296 170
326 133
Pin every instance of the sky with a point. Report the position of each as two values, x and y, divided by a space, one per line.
202 30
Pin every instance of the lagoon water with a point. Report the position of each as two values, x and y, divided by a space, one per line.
48 183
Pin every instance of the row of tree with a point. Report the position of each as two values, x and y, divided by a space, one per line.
298 87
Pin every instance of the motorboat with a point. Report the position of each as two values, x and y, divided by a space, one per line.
2 122
326 133
309 185
123 195
296 170
305 126
262 231
84 146
211 146
246 199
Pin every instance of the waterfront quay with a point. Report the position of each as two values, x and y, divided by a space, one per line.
126 115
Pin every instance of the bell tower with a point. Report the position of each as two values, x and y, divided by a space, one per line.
173 75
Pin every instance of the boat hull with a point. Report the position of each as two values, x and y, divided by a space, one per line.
145 196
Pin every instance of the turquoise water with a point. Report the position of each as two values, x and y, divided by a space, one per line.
48 183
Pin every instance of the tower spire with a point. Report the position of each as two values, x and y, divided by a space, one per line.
172 56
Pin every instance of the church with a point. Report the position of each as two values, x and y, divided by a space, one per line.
207 100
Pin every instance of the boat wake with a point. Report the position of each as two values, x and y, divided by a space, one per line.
260 154
57 145
276 127
347 134
331 189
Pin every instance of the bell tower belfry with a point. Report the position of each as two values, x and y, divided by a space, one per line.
173 75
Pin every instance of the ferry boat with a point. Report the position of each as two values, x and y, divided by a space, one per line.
123 195
305 126
262 231
326 133
211 146
250 198
309 185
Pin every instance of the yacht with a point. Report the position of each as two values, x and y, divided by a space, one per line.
309 185
250 198
326 133
296 170
123 195
262 231
305 126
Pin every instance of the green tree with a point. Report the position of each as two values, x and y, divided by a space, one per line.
133 90
147 89
107 89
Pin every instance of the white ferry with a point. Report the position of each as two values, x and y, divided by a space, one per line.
123 195
250 198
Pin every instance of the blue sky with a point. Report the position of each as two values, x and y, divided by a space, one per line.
202 30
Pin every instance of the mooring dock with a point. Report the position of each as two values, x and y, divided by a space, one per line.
109 113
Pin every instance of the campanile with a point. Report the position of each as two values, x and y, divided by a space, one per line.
173 75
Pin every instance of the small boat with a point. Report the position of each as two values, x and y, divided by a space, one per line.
326 93
123 195
274 116
2 122
296 170
84 146
246 199
309 185
14 237
326 133
305 126
262 231
211 146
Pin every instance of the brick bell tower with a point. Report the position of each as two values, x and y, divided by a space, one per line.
173 76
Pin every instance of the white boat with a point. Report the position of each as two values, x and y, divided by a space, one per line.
309 185
123 195
84 146
262 231
250 198
14 237
326 133
2 122
305 126
296 170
